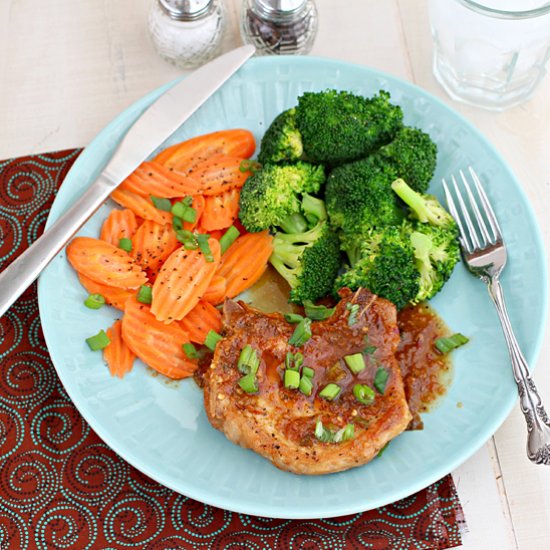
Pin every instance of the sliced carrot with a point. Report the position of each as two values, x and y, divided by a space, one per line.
181 282
156 344
105 263
115 297
215 293
152 178
186 155
140 206
198 206
118 356
203 318
220 211
119 224
245 261
218 174
153 243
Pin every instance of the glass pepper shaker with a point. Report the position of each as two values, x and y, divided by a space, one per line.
279 26
187 33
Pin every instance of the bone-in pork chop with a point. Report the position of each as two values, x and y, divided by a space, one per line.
311 434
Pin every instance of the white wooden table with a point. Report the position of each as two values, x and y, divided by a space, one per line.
67 68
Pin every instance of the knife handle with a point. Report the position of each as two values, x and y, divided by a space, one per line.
20 274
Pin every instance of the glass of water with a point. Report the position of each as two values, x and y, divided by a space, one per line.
490 53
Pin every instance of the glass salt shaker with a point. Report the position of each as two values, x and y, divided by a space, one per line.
279 26
187 33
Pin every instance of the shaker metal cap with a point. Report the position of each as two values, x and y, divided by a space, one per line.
280 7
185 10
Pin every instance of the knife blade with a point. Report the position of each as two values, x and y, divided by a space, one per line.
159 121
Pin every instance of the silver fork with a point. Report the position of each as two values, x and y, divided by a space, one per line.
484 253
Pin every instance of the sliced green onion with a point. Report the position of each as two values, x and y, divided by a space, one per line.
381 379
177 223
248 383
446 344
364 394
184 212
228 238
99 341
321 433
178 209
308 373
187 238
306 385
205 247
145 294
161 203
292 379
330 392
302 333
317 312
248 362
381 451
355 362
187 201
353 311
369 350
293 318
190 350
249 166
345 434
212 338
125 244
94 301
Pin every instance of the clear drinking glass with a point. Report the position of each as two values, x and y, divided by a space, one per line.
490 53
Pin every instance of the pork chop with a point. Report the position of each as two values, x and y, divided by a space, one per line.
297 432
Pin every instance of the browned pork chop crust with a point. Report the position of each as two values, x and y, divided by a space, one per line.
279 423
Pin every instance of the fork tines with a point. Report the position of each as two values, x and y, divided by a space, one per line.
487 232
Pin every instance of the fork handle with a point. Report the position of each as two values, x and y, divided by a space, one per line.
538 424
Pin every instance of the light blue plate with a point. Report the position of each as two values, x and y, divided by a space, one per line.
161 428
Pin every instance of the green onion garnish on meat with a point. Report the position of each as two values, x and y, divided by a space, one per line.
330 391
228 238
306 385
355 362
99 341
248 362
292 379
446 344
353 312
248 383
293 318
317 313
302 333
212 338
364 394
381 379
94 301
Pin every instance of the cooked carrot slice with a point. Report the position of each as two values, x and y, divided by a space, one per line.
119 224
156 344
153 243
220 211
115 297
118 356
203 318
186 155
215 293
140 206
245 261
181 282
219 174
105 263
152 178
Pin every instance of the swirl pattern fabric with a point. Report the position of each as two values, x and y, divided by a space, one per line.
62 487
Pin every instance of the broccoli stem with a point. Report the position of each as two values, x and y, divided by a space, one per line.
415 201
295 223
314 209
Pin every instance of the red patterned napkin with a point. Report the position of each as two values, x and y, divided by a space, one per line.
62 487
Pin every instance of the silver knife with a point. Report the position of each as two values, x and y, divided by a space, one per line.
156 124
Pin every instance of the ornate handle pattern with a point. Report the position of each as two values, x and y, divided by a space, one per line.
538 424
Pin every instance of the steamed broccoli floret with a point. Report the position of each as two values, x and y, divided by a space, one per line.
311 212
359 195
436 252
424 208
282 141
274 192
308 261
339 127
413 155
385 265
